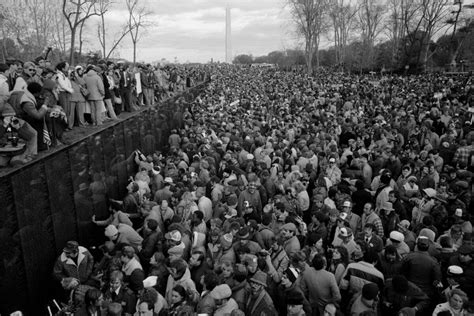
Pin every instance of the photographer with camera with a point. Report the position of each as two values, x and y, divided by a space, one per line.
15 128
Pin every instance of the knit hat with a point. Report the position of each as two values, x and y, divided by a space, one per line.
226 240
292 274
428 233
465 249
295 298
110 231
370 291
244 233
260 278
251 259
221 292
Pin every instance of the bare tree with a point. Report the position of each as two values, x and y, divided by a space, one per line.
61 33
76 13
460 21
137 22
103 7
370 17
342 14
309 18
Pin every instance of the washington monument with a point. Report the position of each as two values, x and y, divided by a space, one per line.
228 35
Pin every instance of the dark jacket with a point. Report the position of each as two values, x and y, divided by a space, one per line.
65 267
422 269
414 296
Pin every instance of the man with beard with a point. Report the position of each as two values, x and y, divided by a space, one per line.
259 302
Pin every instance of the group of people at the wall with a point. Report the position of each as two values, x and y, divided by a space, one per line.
39 102
293 195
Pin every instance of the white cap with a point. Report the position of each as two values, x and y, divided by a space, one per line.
397 236
458 212
110 231
150 281
455 270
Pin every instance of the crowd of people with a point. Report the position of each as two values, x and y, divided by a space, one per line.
283 194
39 102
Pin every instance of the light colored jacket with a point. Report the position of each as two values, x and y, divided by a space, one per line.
95 85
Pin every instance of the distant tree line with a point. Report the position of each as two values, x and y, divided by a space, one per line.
375 35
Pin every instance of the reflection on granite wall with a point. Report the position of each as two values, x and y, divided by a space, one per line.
45 204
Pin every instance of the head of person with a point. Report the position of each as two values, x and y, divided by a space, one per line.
252 187
128 253
93 298
221 294
258 282
178 295
368 208
209 280
145 308
71 249
62 66
34 88
457 299
369 229
116 280
289 277
196 259
288 230
466 253
347 207
370 291
227 269
177 268
294 303
318 262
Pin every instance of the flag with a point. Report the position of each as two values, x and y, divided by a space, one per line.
46 137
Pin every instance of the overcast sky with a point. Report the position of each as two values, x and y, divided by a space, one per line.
194 30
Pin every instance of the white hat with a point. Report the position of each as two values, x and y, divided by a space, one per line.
397 236
221 292
250 157
347 204
332 159
430 192
150 281
458 212
110 231
455 270
168 180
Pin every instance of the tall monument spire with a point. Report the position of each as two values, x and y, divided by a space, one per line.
228 35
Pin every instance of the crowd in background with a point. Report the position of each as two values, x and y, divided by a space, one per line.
40 102
285 194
